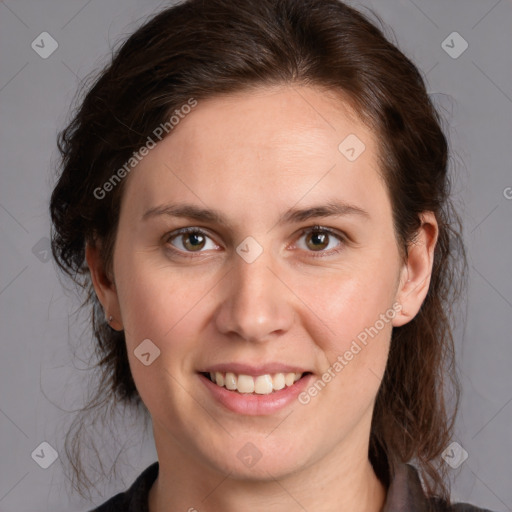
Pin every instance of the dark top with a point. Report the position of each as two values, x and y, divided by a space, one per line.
405 494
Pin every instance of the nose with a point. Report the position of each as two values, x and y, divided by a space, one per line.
256 304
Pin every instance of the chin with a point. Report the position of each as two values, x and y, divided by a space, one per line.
257 460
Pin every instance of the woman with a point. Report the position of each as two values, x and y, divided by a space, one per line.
255 197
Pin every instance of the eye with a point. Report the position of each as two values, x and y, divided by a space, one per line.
319 239
190 240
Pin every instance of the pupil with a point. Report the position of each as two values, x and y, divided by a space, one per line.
196 240
320 238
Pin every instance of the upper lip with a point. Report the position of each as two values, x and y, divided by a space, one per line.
247 369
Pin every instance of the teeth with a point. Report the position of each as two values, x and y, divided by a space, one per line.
278 381
230 381
289 379
261 385
245 384
219 379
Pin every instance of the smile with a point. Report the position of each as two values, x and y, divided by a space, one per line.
254 391
259 384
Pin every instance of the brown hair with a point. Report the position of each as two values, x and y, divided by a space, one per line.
202 49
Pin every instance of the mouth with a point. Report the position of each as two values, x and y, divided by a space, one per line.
252 390
264 384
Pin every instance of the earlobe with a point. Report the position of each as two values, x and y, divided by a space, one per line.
104 287
417 270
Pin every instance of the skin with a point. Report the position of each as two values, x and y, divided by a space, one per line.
253 156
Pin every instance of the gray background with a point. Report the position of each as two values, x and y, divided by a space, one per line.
41 382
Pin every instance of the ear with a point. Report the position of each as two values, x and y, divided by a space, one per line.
104 286
417 270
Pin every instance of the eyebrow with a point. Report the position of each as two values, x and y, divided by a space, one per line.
293 215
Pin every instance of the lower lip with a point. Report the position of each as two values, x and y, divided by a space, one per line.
254 404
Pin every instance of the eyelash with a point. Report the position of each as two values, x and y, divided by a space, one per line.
313 229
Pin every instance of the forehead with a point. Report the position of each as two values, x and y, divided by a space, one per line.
273 143
279 122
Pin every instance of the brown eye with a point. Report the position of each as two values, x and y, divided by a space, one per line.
323 241
193 241
317 240
189 240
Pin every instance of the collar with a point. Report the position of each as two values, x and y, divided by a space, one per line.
405 492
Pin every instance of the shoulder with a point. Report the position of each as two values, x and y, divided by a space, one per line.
465 507
438 506
135 499
114 504
406 494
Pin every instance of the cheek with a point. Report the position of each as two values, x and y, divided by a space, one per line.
157 304
354 353
349 300
350 319
160 304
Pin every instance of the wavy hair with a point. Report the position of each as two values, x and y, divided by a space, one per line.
200 50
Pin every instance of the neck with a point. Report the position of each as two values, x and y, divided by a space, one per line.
337 482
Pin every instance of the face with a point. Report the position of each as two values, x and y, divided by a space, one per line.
255 293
